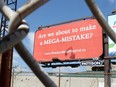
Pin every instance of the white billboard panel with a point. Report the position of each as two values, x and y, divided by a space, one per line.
112 45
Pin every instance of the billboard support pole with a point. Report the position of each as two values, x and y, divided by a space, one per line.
59 78
107 63
6 67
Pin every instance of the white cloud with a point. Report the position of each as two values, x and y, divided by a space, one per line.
17 60
15 57
18 63
30 37
67 69
29 41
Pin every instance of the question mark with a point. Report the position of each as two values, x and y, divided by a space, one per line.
91 34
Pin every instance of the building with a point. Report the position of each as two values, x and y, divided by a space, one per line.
82 79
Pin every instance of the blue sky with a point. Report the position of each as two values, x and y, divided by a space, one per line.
57 11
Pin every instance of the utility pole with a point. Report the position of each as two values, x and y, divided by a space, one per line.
107 63
105 26
59 78
6 66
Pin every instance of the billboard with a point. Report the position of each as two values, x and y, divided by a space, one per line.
112 45
69 41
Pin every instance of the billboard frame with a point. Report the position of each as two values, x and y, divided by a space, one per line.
56 60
